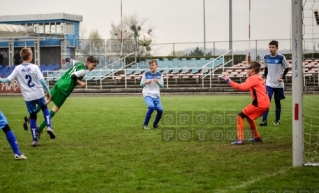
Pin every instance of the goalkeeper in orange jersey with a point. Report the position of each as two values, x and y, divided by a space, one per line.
260 104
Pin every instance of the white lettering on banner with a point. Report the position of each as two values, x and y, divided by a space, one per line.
14 85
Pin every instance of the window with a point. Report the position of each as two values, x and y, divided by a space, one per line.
41 28
58 27
47 28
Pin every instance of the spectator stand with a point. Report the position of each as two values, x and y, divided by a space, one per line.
214 65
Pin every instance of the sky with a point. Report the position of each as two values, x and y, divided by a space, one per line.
174 21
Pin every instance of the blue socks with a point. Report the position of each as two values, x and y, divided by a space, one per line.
265 115
278 112
13 142
47 117
148 115
158 117
33 126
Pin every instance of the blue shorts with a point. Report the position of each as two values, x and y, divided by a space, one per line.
153 102
31 105
278 93
3 120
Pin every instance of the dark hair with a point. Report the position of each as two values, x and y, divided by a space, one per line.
25 53
152 61
274 42
255 65
67 59
92 59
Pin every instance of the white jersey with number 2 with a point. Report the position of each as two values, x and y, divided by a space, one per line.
29 76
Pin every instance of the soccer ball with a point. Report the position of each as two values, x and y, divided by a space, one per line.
144 39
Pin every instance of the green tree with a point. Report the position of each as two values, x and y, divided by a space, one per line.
258 58
199 52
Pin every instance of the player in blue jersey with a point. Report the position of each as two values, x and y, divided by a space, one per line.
32 86
4 126
276 68
151 82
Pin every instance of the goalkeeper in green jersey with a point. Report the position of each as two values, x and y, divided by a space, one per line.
64 87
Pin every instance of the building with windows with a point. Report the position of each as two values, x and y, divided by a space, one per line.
50 36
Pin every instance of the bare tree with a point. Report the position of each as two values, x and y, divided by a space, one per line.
177 53
95 35
128 31
83 31
94 45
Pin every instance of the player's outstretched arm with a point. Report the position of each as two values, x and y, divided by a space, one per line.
11 77
45 85
4 80
244 86
226 78
83 84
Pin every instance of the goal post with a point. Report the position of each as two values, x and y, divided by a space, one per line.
305 68
297 83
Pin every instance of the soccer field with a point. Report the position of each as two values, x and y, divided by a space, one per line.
100 147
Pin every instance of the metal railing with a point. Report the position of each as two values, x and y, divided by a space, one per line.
213 69
117 70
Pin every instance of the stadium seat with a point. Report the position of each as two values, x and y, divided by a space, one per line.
96 75
67 66
43 67
106 72
89 76
98 67
133 66
192 65
129 71
184 68
137 71
50 67
143 65
57 66
118 79
6 73
165 66
56 75
6 67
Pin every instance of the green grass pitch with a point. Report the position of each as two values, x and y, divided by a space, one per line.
100 147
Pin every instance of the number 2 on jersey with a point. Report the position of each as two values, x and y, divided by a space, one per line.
29 78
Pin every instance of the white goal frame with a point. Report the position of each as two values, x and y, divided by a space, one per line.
301 28
297 83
